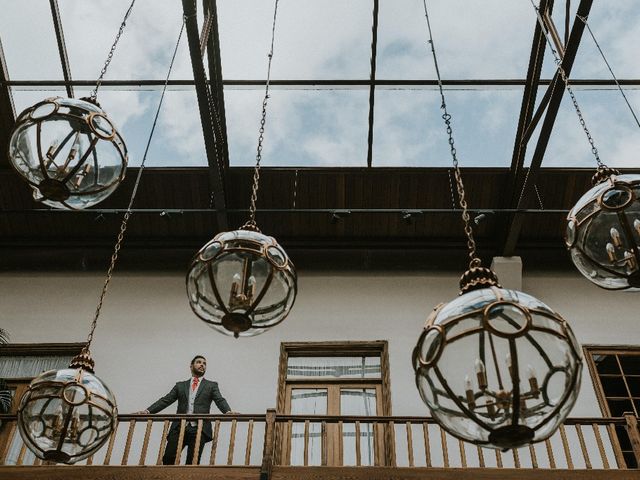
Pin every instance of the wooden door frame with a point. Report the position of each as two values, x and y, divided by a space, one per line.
374 348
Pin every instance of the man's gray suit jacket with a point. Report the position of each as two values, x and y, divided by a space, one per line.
208 392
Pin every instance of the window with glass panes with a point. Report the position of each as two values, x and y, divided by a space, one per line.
616 377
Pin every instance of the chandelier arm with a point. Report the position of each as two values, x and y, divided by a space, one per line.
94 94
474 261
565 80
127 215
251 223
615 79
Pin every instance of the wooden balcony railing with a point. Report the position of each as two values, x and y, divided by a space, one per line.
265 441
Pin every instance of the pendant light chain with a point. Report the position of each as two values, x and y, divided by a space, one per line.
474 261
251 223
565 79
127 215
584 20
94 94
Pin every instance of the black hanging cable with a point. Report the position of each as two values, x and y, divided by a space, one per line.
584 20
474 260
127 215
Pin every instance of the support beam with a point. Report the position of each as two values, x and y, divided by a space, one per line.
207 120
7 111
62 47
557 88
372 87
216 82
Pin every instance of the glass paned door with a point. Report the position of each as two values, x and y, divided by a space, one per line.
307 401
358 402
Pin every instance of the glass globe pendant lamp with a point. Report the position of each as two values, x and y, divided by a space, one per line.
242 282
603 231
67 415
69 152
496 367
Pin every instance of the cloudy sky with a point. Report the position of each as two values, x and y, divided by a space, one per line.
331 39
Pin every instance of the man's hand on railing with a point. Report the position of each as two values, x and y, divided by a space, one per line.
142 412
231 412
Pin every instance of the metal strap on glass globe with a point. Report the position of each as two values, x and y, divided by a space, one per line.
603 227
496 367
67 415
242 282
68 149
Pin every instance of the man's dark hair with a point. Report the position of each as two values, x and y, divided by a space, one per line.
197 357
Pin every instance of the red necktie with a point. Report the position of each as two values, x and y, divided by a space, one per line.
194 385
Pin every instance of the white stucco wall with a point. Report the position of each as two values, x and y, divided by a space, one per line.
148 334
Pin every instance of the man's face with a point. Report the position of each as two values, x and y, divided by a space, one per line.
198 367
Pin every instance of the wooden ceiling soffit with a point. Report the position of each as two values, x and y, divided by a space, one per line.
7 111
207 118
521 195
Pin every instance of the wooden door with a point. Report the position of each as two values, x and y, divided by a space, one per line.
330 443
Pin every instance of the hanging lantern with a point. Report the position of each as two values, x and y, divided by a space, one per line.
241 283
497 367
67 415
69 152
603 231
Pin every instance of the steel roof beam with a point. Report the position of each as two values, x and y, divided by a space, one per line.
62 47
7 110
203 92
557 88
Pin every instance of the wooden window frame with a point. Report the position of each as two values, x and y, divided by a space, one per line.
7 431
589 351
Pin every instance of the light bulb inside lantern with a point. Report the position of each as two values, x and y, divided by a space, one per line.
615 237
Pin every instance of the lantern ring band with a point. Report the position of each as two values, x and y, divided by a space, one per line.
523 329
435 356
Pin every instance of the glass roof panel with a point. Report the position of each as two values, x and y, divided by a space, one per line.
328 39
306 128
409 130
30 47
472 39
23 99
144 50
612 126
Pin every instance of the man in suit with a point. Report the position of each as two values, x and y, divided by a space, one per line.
194 396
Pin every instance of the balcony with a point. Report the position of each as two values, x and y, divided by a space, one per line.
272 446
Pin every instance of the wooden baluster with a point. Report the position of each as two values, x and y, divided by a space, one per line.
247 450
583 447
534 458
20 459
232 441
214 442
445 448
38 462
409 444
358 448
377 428
634 434
196 447
463 454
565 445
306 443
391 443
603 454
480 457
289 438
12 433
89 460
324 442
516 457
552 460
145 443
617 451
498 459
427 446
340 444
127 445
107 457
268 450
163 442
183 426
